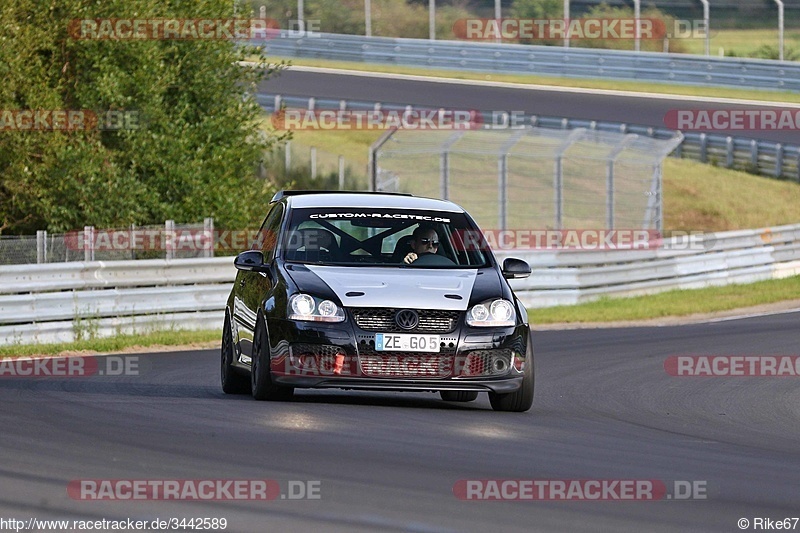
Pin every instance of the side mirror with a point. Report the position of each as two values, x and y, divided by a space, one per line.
250 261
515 268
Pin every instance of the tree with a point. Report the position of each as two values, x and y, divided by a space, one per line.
198 142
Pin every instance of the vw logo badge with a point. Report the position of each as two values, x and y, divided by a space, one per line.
406 319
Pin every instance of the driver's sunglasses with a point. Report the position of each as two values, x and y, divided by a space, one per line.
429 241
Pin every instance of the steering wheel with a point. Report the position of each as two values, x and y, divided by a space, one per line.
430 259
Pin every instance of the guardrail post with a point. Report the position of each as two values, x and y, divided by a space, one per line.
287 158
208 230
41 246
169 239
729 152
703 148
277 103
313 163
754 154
312 103
778 160
797 175
342 105
341 172
88 243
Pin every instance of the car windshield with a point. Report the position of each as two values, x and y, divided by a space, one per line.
383 237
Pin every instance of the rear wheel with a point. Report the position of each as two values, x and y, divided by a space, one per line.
522 399
261 384
458 395
232 381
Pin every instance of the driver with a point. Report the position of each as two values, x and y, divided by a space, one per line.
424 240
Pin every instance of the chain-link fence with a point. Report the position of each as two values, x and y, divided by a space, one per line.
170 241
531 177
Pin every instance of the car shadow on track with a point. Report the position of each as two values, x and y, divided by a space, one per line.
375 399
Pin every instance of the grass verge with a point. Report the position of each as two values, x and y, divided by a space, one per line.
672 304
113 344
553 81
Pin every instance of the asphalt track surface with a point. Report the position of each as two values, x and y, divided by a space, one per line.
604 409
648 111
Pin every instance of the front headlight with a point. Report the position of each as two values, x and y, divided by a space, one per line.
306 307
491 313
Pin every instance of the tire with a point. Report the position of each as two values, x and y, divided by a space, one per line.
232 381
458 395
261 385
520 400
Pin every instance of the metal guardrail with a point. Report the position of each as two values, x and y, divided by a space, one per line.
542 60
745 256
767 158
63 301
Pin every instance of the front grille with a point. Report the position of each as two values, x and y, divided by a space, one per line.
382 320
407 365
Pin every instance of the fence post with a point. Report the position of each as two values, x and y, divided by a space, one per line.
88 243
502 191
558 178
41 246
444 175
132 240
169 239
373 158
208 230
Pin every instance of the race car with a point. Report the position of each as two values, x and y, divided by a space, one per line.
375 291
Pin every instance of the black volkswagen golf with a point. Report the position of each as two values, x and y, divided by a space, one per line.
375 291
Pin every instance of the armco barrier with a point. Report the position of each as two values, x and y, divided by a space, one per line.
62 301
59 302
542 60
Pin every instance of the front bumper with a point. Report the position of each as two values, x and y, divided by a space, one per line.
314 355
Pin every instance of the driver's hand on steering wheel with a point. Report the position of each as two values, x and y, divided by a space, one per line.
410 258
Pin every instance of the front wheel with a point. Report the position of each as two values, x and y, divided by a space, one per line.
261 384
521 399
232 381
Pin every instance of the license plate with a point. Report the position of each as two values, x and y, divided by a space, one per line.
406 342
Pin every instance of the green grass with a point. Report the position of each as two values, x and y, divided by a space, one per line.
672 303
743 43
632 86
704 197
113 344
